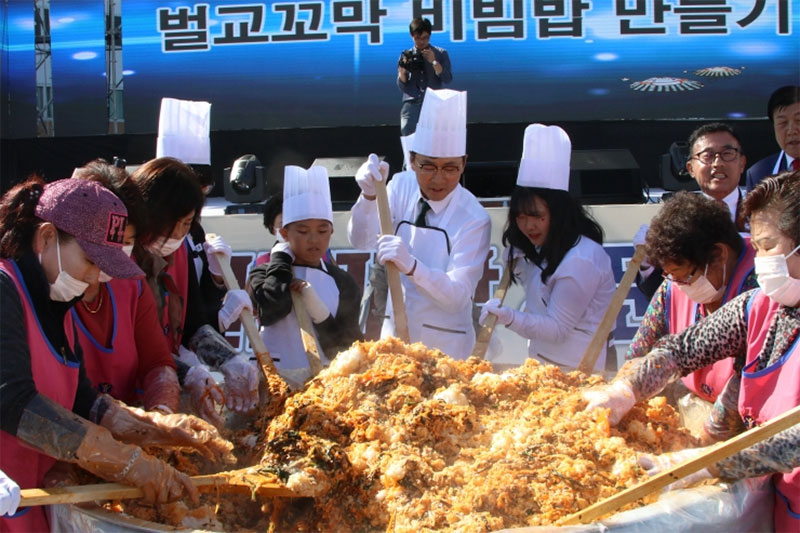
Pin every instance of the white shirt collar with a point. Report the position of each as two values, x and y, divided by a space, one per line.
732 201
789 160
437 206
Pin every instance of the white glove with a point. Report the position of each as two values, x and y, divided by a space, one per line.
241 384
392 248
618 397
504 315
639 238
215 245
284 247
204 394
314 305
371 171
235 302
9 495
655 464
185 355
507 251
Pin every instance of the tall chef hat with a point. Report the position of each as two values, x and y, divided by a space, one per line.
183 128
405 142
306 194
442 126
545 158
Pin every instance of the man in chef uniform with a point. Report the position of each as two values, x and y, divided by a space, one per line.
441 238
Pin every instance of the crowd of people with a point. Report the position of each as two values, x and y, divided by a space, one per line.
92 265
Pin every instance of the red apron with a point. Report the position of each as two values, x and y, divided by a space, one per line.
55 378
707 382
177 275
766 394
113 369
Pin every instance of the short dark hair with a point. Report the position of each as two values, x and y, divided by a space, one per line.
420 25
782 97
272 208
781 193
713 127
687 227
569 220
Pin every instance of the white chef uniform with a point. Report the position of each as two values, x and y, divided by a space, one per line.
450 249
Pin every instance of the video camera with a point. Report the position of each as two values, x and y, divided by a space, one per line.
412 60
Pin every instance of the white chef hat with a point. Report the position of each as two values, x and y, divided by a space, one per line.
405 142
183 127
546 153
442 126
306 194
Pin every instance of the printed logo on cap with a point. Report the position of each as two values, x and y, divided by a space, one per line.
115 230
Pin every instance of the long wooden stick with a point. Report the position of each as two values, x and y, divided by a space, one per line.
224 481
307 333
714 454
485 334
610 317
278 389
392 274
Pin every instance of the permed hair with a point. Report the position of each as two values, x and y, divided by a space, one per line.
782 194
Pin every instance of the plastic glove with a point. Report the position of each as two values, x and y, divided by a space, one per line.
639 238
204 394
213 246
284 247
504 315
9 495
145 428
241 384
161 390
372 170
618 397
392 248
655 464
185 355
102 455
314 305
235 302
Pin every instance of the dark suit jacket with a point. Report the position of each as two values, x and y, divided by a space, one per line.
762 169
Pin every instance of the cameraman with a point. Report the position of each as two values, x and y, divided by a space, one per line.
419 68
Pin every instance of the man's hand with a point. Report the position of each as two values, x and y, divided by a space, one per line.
428 54
368 173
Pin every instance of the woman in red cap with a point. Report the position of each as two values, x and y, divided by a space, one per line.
55 240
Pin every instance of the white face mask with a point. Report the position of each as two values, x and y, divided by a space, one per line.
128 249
167 247
65 287
774 279
103 277
702 291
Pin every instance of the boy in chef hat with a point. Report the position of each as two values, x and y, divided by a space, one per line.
330 295
442 232
558 253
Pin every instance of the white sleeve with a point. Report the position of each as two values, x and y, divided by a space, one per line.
572 292
364 225
454 289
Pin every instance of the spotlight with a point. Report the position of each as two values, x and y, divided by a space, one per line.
244 181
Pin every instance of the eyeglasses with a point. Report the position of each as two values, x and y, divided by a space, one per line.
687 281
708 156
429 169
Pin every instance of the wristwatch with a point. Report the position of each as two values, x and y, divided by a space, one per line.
434 63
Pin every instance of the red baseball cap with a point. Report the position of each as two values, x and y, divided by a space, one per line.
95 217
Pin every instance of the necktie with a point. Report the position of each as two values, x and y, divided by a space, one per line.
422 210
796 164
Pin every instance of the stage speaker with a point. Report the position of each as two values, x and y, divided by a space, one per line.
342 173
609 176
244 181
672 169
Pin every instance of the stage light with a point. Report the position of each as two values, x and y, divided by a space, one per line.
244 181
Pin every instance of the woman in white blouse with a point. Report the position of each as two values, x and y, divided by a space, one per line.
558 256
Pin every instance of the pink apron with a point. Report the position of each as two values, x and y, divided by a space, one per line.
113 369
55 378
766 394
707 382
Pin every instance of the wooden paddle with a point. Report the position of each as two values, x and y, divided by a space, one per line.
277 387
307 333
610 317
485 334
392 274
245 480
715 453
